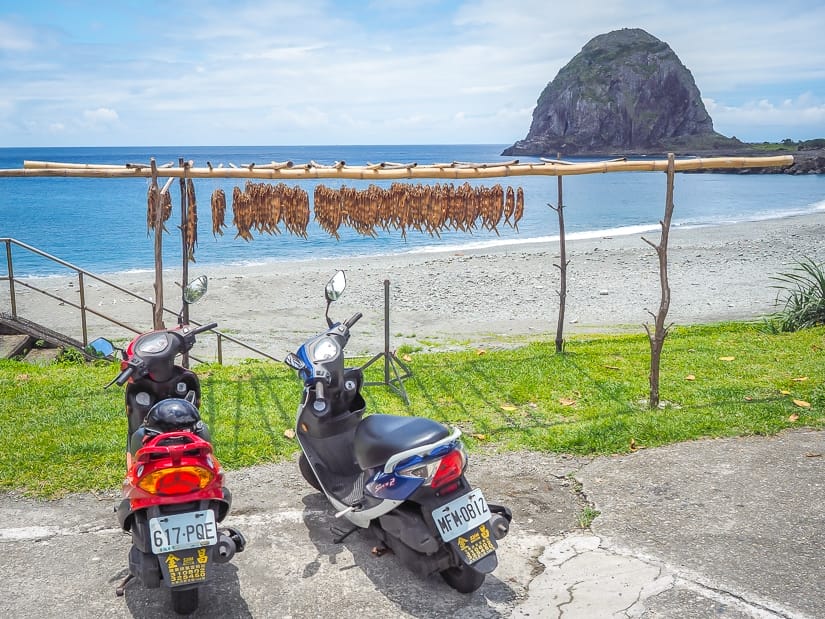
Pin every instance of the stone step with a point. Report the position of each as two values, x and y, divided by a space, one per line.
13 345
42 356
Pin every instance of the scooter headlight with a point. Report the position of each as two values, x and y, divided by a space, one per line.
153 344
324 350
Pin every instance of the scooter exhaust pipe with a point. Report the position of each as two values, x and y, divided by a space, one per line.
500 525
229 543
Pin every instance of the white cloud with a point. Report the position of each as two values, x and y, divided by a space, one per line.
15 38
100 118
762 119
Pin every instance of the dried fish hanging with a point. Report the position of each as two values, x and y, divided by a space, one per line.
241 214
263 207
295 209
163 202
491 207
328 209
191 231
362 209
218 212
425 208
519 213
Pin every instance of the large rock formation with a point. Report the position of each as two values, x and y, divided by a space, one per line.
626 92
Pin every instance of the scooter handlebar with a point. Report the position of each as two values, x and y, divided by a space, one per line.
124 376
203 328
349 322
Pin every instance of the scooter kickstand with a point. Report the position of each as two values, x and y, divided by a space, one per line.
121 588
341 535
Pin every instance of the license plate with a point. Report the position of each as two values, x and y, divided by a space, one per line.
461 515
182 531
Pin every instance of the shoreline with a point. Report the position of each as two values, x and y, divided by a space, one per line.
461 298
468 245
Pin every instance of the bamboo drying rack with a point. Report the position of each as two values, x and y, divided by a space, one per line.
287 170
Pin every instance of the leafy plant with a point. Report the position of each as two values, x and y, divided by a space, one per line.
802 293
587 516
70 356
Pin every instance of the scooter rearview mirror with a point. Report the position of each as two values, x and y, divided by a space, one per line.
101 346
335 286
333 291
194 290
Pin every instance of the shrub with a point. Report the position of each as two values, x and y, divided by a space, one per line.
802 295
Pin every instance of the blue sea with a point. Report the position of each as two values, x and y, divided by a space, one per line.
100 224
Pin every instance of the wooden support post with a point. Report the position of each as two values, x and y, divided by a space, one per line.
660 331
184 271
184 215
562 266
157 316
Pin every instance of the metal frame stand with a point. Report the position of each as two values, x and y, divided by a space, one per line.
390 360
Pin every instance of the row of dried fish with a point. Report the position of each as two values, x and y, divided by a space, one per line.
262 207
426 208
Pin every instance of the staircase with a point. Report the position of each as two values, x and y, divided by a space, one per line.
25 340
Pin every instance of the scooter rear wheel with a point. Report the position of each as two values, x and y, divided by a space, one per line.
185 601
463 579
307 472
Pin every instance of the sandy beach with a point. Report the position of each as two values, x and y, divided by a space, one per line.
472 298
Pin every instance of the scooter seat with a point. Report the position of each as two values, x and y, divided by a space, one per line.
380 436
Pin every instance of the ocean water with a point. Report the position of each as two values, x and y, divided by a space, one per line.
100 224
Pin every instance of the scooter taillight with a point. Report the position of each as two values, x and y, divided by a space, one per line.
172 464
449 469
438 473
176 480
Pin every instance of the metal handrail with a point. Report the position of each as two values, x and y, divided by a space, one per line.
84 309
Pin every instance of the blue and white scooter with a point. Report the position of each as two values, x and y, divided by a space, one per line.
401 477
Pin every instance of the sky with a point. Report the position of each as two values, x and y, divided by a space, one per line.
316 72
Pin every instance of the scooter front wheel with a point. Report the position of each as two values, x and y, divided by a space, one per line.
463 579
185 601
307 472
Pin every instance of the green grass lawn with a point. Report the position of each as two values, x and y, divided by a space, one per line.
61 432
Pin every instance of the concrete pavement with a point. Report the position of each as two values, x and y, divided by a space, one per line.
715 528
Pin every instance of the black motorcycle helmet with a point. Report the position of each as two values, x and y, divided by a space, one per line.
174 415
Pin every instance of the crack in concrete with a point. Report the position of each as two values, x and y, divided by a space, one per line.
695 583
571 596
734 599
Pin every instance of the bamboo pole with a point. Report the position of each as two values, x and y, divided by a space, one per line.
387 171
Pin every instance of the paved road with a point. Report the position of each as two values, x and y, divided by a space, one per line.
718 528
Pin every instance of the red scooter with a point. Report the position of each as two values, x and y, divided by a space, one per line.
174 494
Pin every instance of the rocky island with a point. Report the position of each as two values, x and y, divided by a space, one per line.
626 93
